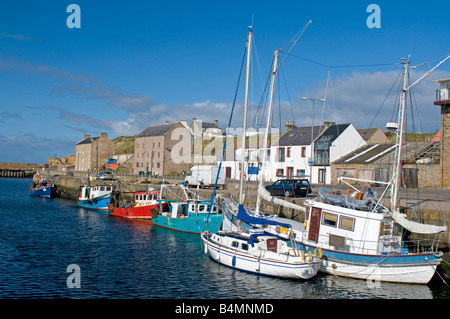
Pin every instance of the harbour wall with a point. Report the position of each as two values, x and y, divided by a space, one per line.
20 170
437 208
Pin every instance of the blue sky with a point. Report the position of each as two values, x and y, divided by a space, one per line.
139 63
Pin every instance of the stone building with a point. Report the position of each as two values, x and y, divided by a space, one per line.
163 149
443 100
373 135
92 153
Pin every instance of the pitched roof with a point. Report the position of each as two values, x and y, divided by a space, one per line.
367 133
156 130
299 136
332 132
367 154
88 140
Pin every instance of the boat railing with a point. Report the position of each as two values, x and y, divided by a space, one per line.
419 246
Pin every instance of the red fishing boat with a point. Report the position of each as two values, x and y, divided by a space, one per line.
144 204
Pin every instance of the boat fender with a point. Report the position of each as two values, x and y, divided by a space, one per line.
318 252
206 249
94 200
303 255
309 255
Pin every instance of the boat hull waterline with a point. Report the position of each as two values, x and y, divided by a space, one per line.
191 224
294 267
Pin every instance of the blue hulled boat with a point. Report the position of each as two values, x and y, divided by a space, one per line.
95 197
190 215
43 188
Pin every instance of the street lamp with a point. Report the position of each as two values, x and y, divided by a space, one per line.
311 161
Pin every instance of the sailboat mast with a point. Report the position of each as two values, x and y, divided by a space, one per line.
401 121
266 133
241 182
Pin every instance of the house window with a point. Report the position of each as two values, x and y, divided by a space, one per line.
281 154
137 164
301 173
288 152
289 171
280 172
321 158
347 223
303 151
329 219
157 165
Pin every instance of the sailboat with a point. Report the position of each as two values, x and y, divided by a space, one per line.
361 238
230 207
252 250
259 252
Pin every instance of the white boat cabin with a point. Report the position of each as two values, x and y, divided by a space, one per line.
246 244
333 227
146 198
184 209
90 192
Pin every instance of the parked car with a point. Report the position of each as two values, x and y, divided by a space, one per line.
289 187
105 176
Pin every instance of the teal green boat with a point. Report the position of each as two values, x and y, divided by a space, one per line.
192 216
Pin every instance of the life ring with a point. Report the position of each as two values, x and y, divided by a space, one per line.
303 254
318 252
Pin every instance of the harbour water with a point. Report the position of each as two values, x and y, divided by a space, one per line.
125 259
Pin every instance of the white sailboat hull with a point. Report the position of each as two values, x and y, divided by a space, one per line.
412 274
284 266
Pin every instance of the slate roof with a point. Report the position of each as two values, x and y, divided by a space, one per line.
367 133
371 153
367 154
88 140
209 125
156 130
332 132
299 136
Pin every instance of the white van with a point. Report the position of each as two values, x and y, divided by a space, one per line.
205 175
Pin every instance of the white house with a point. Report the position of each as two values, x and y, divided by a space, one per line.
333 143
290 155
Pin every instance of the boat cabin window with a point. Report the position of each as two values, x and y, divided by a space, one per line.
235 244
244 246
102 188
329 219
108 188
347 223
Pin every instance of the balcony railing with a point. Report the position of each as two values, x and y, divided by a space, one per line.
442 94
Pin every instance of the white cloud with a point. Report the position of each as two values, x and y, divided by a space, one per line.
356 98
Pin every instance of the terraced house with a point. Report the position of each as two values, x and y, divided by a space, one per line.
92 152
163 149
